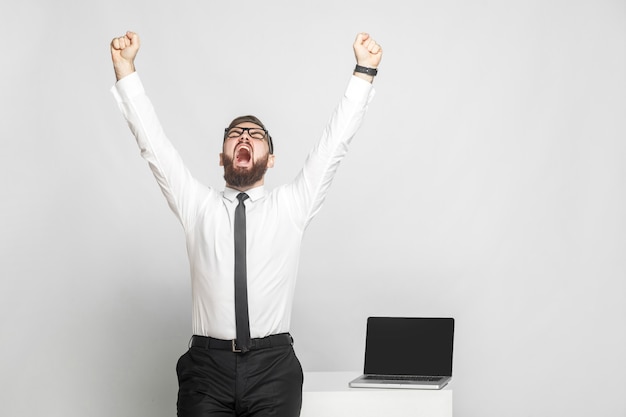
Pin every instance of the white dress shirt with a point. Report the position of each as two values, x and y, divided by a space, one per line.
276 219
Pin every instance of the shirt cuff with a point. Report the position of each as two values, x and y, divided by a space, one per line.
359 89
128 87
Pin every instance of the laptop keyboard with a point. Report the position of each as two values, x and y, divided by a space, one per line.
405 378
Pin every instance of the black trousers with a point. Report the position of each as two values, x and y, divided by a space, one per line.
259 383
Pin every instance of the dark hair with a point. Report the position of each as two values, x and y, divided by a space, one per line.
252 119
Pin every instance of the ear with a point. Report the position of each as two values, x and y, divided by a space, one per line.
221 159
270 161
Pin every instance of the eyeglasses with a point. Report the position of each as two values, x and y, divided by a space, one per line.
257 133
253 132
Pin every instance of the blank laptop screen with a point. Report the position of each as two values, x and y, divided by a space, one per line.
409 346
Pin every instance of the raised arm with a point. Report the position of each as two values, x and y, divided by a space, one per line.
123 52
309 189
181 189
367 53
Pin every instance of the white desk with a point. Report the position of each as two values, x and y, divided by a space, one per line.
327 394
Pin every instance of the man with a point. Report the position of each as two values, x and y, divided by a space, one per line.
243 244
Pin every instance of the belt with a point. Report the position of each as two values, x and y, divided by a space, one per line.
281 339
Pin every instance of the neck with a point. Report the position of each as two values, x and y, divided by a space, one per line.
245 188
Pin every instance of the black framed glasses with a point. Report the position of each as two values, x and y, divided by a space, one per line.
254 132
257 133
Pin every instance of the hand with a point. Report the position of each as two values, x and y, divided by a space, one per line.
367 52
123 52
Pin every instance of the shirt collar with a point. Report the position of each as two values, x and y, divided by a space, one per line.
254 193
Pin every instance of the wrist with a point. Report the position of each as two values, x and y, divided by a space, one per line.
123 69
368 78
365 73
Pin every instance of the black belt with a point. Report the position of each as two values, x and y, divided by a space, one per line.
281 339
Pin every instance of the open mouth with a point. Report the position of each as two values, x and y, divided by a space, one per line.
243 156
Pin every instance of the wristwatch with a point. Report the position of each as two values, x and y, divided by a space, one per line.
366 70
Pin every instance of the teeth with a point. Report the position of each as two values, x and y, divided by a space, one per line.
244 147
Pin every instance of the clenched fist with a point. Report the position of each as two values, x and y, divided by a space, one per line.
123 52
367 53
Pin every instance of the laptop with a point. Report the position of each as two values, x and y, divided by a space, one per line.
407 352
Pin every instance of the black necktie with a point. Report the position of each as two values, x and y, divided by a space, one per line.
241 285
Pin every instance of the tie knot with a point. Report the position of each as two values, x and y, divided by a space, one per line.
241 197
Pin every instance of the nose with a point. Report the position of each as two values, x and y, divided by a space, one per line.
245 134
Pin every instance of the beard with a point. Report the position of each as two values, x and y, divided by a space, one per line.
242 178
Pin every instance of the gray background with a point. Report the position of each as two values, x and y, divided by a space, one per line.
487 184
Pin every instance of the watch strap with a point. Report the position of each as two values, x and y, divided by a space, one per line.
366 70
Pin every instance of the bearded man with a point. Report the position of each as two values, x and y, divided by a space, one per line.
243 243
